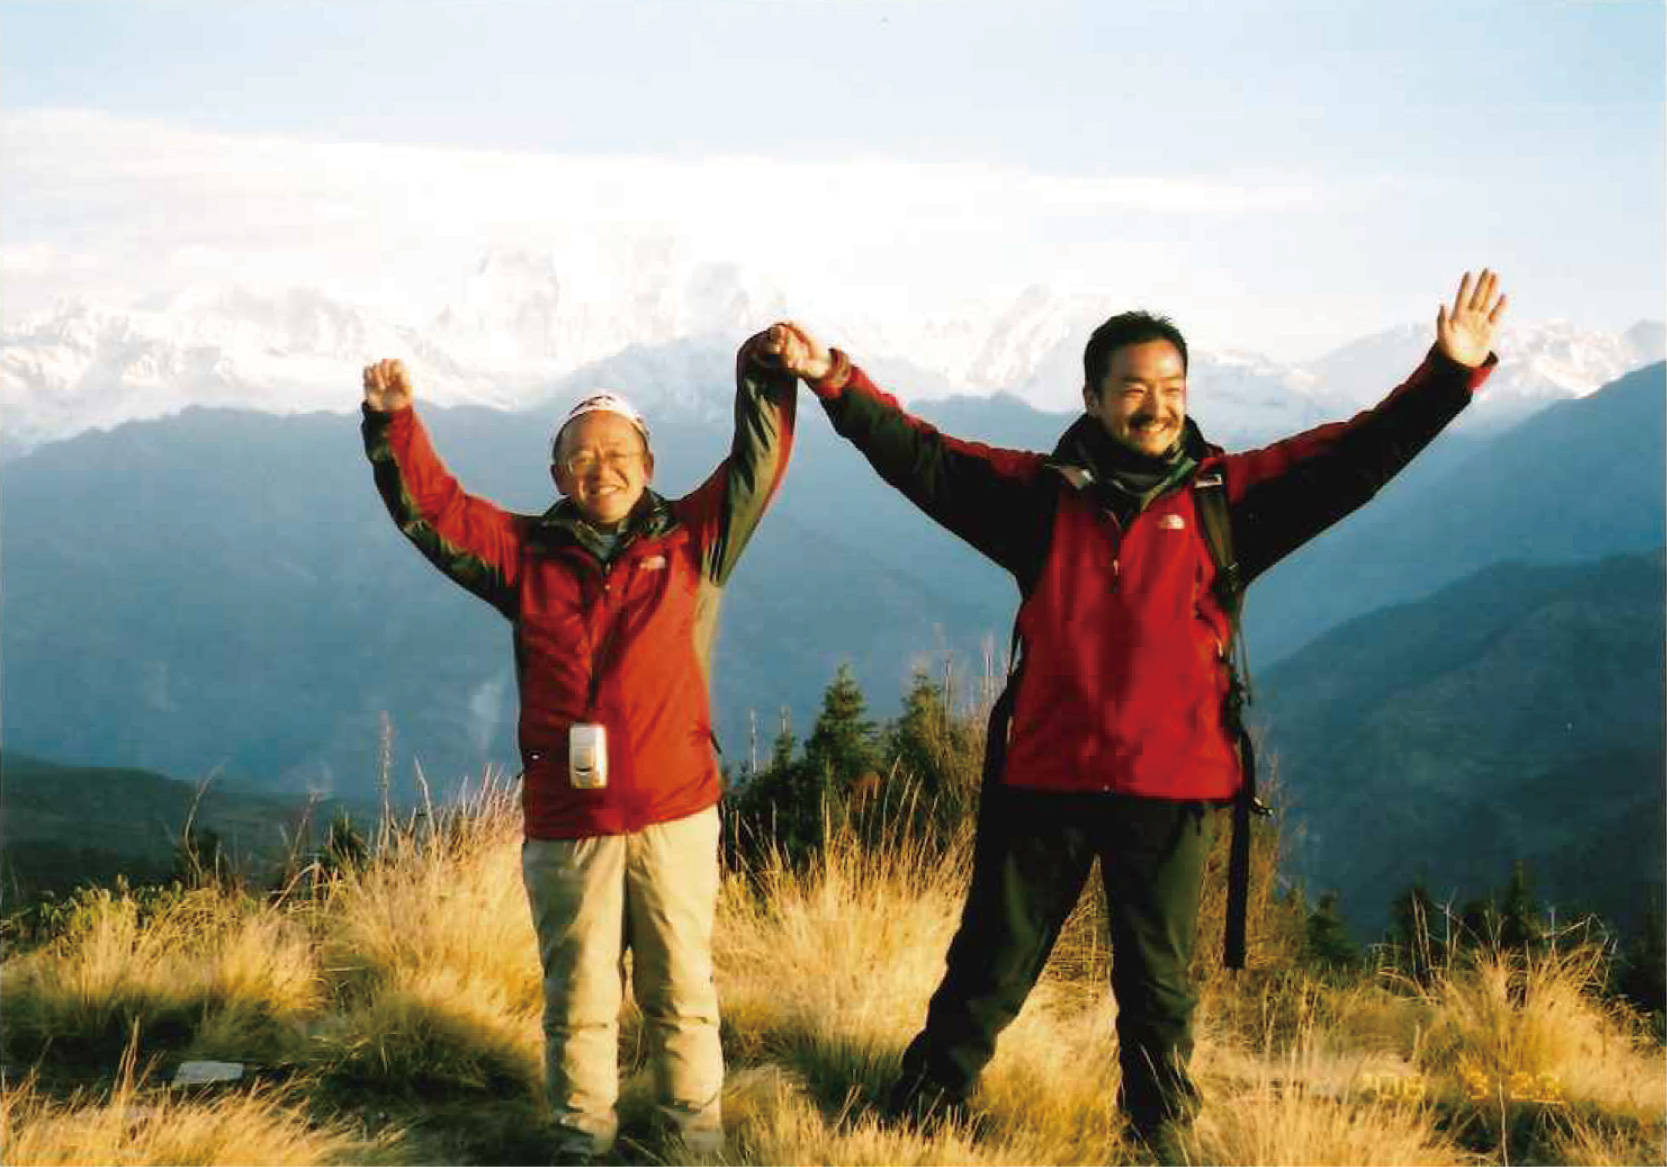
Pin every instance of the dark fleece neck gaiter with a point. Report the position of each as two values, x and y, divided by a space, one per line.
1128 480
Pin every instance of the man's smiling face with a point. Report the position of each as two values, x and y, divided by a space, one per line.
603 465
1142 399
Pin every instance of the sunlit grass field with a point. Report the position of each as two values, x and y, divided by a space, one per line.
389 1013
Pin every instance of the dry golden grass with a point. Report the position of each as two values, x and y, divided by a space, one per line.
1317 1101
1533 1030
431 952
211 969
832 953
411 985
138 1125
1596 1142
429 1030
445 891
772 1117
824 976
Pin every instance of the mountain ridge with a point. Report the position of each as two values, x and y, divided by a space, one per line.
1499 719
523 330
223 589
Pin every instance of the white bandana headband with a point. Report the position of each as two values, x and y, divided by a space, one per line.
603 402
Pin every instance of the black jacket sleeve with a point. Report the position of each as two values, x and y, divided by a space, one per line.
1285 494
998 500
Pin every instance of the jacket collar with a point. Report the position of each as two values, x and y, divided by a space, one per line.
1081 454
1076 445
649 519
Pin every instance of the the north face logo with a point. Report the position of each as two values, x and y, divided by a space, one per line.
1172 523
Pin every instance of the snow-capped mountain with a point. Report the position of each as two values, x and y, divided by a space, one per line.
1539 364
525 310
688 380
531 327
84 367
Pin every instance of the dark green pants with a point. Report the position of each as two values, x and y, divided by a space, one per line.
1031 858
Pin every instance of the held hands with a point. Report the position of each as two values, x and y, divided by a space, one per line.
1465 331
387 387
796 351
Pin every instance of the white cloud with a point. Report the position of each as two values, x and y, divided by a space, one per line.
32 259
127 211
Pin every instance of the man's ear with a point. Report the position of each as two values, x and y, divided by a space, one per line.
647 466
559 477
1090 401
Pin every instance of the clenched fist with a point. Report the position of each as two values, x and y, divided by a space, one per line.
387 387
797 351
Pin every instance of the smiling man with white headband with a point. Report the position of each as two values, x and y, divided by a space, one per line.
613 595
600 461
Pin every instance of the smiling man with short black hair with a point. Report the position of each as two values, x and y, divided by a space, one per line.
1118 736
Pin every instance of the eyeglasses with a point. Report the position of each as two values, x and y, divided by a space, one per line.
585 461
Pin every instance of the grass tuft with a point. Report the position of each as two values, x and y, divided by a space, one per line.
401 991
209 961
434 1032
137 1124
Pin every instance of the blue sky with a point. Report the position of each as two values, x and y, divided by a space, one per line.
1288 176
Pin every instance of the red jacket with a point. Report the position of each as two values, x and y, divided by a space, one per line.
1123 674
625 643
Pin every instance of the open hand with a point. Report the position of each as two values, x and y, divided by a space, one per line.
387 387
1465 332
796 351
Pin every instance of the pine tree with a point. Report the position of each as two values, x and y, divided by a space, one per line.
344 849
920 738
1417 930
1520 926
1328 941
778 809
1478 922
1643 978
781 751
200 858
841 745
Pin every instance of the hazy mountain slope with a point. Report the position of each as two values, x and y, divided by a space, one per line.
1515 714
67 824
1581 479
226 590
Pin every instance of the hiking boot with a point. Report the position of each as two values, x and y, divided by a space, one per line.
581 1153
922 1105
1167 1144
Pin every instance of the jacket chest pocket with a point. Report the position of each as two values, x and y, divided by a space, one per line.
554 599
646 577
661 579
1164 561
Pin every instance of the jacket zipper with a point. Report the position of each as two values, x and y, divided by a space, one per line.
1116 548
599 660
606 638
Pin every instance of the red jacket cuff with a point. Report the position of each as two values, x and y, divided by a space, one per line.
385 415
1473 376
831 386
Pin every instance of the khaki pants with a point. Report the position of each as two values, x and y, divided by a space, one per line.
655 893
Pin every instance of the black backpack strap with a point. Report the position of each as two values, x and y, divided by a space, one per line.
1209 496
1001 718
1210 501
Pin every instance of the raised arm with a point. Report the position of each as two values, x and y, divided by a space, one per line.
1285 494
726 508
990 497
468 538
